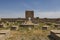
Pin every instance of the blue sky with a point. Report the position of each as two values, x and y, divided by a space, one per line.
41 8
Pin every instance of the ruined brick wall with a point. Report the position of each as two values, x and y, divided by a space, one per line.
29 14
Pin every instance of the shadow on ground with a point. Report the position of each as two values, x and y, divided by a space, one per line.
50 38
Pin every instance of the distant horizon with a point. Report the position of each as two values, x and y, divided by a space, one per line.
41 8
24 17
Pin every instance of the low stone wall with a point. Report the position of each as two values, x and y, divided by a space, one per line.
55 34
4 34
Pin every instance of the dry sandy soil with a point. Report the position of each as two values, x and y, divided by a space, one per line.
28 35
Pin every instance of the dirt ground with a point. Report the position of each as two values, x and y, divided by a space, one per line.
29 35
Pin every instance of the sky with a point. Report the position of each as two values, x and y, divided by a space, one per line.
41 8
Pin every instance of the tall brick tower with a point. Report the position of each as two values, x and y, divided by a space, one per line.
29 14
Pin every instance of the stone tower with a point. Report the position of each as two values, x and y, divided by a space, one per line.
29 14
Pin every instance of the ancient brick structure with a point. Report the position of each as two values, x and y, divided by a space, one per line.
29 14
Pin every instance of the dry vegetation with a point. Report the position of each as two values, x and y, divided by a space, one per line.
28 35
34 34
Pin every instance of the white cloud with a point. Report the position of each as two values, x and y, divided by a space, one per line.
48 14
12 15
